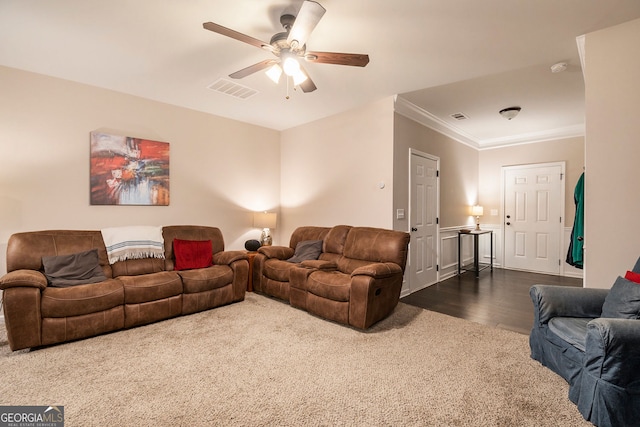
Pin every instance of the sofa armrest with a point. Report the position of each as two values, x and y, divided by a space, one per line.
613 351
553 301
279 252
378 270
228 257
23 278
319 264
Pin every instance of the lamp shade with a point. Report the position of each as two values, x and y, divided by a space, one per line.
477 210
264 219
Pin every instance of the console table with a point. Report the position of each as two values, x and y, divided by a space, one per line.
477 265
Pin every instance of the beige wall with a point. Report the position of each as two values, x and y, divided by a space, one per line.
332 170
612 69
216 169
458 172
569 150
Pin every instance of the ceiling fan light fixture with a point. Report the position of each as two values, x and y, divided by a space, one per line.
274 73
299 77
510 113
290 65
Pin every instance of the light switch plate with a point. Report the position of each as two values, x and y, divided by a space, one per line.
399 213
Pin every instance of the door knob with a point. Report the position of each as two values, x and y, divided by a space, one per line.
508 216
508 223
414 229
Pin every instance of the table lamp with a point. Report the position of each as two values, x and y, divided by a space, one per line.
477 211
266 221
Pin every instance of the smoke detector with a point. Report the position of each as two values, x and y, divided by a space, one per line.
559 67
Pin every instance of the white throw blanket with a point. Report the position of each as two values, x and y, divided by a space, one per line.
133 242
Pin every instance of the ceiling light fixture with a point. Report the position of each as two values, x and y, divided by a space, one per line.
290 66
274 73
510 113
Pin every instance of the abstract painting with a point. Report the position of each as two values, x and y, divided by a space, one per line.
128 171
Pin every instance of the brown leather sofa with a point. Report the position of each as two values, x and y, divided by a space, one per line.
356 279
135 292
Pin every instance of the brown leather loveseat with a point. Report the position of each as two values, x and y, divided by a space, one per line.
134 291
356 279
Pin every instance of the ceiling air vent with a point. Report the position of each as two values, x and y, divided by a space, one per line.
232 89
459 116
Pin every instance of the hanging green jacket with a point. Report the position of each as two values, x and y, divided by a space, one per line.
576 245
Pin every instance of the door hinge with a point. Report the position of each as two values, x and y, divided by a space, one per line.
561 175
437 174
437 267
437 220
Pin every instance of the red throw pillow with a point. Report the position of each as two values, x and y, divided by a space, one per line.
192 254
634 277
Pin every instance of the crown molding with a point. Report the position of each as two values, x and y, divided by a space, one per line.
425 118
533 137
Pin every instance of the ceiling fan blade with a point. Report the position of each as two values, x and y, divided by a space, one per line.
253 68
307 85
353 59
308 17
236 35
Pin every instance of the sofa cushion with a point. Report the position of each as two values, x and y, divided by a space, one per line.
571 329
81 299
307 250
277 269
623 300
331 285
151 287
26 250
73 269
632 276
335 240
137 267
301 234
206 279
377 245
192 254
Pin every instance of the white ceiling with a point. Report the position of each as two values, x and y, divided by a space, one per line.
441 56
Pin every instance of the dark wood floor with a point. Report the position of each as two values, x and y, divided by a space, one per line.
499 298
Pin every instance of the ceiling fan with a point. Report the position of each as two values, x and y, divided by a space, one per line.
290 46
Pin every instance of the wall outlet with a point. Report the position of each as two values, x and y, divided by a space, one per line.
494 212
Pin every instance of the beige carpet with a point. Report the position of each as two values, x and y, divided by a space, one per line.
262 363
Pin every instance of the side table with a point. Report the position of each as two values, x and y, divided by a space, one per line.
250 257
477 266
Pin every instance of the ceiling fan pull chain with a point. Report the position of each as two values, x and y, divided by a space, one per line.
287 79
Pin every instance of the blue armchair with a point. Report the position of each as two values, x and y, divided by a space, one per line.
591 338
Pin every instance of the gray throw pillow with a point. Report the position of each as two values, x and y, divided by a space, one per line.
75 269
307 249
623 300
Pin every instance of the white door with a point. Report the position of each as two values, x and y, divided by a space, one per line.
533 217
423 247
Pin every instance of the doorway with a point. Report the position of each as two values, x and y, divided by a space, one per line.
533 216
424 210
